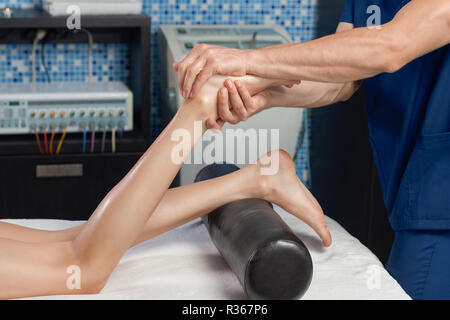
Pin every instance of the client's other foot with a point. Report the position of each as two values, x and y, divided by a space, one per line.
285 189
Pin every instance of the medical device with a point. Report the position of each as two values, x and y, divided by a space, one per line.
27 108
176 42
89 7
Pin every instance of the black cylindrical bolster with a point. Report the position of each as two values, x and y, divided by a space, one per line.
270 261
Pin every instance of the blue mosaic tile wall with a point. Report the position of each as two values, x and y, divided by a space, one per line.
65 62
69 62
25 4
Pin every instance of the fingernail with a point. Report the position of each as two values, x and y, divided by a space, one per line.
191 95
238 84
229 84
222 91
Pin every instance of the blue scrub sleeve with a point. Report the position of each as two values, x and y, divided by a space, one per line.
347 15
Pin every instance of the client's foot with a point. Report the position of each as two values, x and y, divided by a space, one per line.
285 189
205 102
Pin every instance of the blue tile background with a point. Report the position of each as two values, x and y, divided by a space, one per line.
65 62
68 62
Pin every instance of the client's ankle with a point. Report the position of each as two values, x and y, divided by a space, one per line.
263 186
203 105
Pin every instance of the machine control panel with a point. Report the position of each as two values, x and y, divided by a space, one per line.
26 109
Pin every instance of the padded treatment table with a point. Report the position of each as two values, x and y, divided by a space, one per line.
185 264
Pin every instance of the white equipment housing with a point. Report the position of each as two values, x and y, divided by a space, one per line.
90 7
176 42
27 108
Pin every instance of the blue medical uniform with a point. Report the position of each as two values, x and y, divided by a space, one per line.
409 124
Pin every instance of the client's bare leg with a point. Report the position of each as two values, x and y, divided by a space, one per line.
41 269
183 204
178 206
120 218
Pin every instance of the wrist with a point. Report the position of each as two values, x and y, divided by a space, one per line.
252 56
267 100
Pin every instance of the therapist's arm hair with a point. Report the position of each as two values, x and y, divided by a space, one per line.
235 104
418 28
312 94
309 94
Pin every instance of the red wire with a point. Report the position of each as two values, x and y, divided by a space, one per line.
45 141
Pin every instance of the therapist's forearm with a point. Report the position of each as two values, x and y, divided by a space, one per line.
418 28
311 94
344 57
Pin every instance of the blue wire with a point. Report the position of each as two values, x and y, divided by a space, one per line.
84 141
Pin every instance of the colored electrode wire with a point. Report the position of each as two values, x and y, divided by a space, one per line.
45 141
83 150
92 140
38 141
51 141
58 148
103 140
113 140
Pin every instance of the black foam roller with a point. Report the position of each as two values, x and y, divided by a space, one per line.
270 261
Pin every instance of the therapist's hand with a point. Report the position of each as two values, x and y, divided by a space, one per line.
203 62
235 103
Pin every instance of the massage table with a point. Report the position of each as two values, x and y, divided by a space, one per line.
184 264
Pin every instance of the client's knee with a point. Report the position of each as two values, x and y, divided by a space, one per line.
92 279
86 274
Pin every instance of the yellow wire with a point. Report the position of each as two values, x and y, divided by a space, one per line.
58 149
51 141
113 140
36 134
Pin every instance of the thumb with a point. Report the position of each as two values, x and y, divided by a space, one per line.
212 124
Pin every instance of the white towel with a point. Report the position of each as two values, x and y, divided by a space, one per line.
185 264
